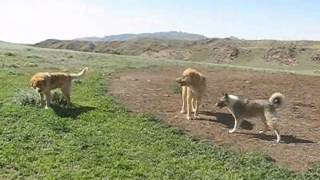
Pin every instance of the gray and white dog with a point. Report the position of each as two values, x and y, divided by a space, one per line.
241 108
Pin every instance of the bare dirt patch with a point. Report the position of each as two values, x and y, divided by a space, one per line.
152 91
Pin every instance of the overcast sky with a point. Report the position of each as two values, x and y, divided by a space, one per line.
30 21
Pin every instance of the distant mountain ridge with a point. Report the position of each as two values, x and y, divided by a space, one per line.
171 35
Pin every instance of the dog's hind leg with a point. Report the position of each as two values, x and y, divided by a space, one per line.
265 125
272 123
274 127
194 104
197 106
184 96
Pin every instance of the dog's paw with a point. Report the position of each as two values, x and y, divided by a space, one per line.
232 130
46 107
182 111
262 132
196 117
189 118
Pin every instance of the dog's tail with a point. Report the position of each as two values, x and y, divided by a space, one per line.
80 74
277 100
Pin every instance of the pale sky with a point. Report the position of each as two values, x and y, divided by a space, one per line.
31 21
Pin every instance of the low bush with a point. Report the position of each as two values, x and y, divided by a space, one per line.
32 98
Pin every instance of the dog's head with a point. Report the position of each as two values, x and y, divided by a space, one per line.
223 101
38 82
188 79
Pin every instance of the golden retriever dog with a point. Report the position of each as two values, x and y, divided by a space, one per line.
44 82
266 110
193 85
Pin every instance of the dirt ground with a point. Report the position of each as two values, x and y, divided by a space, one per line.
152 91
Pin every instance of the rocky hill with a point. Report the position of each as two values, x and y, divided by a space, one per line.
215 50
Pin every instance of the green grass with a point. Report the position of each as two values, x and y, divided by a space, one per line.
98 138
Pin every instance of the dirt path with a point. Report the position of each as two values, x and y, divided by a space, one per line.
151 91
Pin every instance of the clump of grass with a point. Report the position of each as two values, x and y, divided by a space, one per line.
9 54
32 98
30 64
13 66
78 81
176 88
33 57
26 98
14 72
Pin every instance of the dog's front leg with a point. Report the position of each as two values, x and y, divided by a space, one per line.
235 126
48 99
236 122
276 131
183 96
42 100
189 105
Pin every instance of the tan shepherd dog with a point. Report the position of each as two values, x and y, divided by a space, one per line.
193 88
241 108
44 82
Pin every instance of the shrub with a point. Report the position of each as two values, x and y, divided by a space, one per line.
58 98
32 98
176 88
26 97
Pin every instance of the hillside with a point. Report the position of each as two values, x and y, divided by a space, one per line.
100 137
222 51
171 35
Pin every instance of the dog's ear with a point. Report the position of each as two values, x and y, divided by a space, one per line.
194 75
178 79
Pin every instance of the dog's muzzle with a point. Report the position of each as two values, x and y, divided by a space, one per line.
220 104
37 89
182 83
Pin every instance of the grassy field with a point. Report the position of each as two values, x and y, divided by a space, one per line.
98 138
